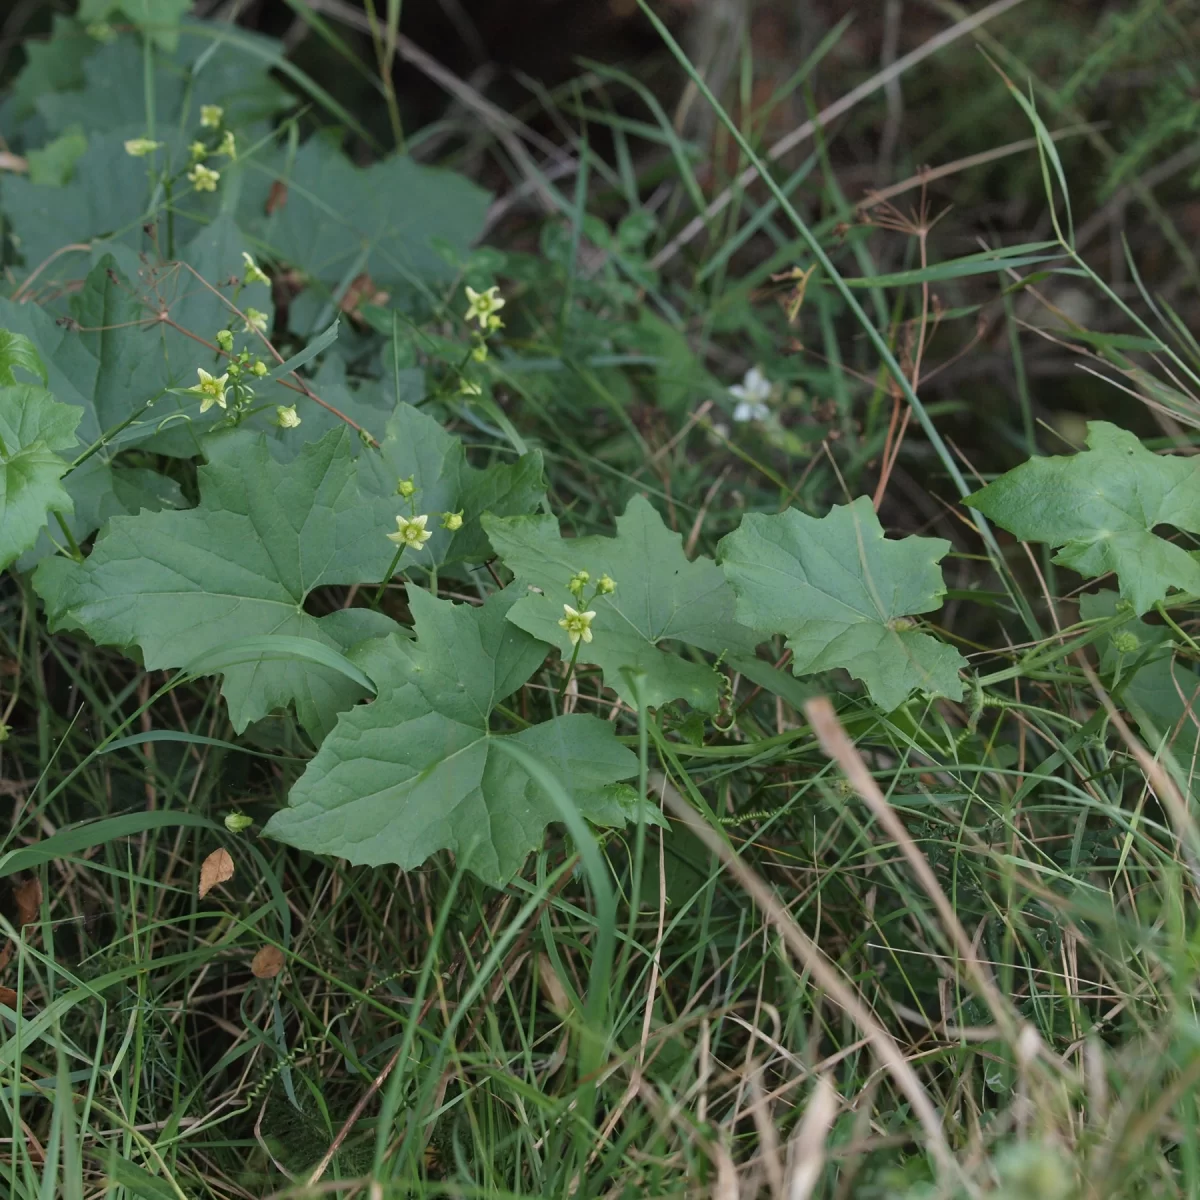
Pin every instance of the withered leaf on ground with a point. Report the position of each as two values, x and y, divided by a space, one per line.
268 962
216 868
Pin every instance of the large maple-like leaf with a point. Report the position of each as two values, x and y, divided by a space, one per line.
661 598
181 585
417 447
419 769
34 427
1101 506
843 595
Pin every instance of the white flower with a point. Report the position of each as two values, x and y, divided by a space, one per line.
577 624
254 273
483 307
140 147
256 322
411 531
203 178
211 389
752 394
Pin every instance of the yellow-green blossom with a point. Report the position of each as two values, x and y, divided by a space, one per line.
237 822
225 339
577 624
228 145
483 306
259 368
210 116
577 583
452 521
254 273
411 531
406 488
203 179
480 352
286 416
211 389
256 322
198 150
606 585
467 388
140 147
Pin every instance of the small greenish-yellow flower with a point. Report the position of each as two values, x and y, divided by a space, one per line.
211 115
452 521
483 306
198 150
1126 642
480 352
211 389
467 388
140 147
237 822
494 323
577 583
577 624
286 416
235 370
228 145
225 339
203 179
256 322
406 488
606 585
259 368
254 273
411 531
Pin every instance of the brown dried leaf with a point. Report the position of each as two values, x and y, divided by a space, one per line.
276 197
268 962
8 997
29 901
216 868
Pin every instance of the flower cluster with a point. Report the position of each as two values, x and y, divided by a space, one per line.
578 621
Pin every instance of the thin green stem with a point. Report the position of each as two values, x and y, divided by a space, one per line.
387 578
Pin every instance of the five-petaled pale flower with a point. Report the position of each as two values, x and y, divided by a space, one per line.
483 306
411 531
210 116
140 147
211 389
577 624
256 322
752 394
203 179
228 145
452 521
286 416
254 273
606 585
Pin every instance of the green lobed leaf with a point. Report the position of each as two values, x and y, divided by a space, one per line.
158 19
340 220
1156 687
660 598
18 352
33 426
1101 507
416 770
242 563
843 595
417 447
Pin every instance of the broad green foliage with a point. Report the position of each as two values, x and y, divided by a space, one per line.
418 448
661 598
18 353
844 595
1102 506
418 770
340 221
1156 687
183 584
34 427
159 19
